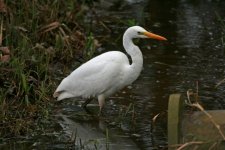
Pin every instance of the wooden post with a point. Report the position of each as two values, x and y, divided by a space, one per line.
175 109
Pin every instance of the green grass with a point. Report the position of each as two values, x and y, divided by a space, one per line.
40 36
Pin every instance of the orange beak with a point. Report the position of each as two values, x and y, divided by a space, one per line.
154 36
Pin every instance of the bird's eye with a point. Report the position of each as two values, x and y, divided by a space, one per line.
139 32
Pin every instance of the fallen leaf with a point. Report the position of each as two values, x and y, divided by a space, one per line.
50 27
155 117
3 6
21 28
5 50
5 58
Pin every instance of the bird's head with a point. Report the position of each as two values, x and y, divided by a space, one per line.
139 32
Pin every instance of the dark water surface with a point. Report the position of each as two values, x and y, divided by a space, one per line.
194 52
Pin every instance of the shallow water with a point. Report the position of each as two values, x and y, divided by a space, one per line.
194 52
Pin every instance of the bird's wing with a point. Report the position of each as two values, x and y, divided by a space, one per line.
95 76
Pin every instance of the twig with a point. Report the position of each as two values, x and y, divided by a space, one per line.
213 146
171 66
1 28
189 143
189 93
219 83
197 91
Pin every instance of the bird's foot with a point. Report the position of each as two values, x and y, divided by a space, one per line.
84 106
86 109
100 113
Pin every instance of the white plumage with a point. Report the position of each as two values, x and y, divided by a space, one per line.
107 73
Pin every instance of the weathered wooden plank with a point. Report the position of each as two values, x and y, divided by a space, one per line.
175 111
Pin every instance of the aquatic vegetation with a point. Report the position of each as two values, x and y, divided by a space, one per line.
40 38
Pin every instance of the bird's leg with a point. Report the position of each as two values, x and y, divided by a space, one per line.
101 102
84 105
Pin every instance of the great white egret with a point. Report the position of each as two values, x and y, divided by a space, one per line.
107 73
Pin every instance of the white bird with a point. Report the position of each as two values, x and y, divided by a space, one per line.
107 73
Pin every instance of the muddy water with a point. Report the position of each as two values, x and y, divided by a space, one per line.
194 52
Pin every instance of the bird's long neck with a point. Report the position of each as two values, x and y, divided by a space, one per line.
135 53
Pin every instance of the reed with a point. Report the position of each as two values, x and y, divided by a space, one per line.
39 37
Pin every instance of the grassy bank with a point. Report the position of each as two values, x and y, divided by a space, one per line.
38 42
